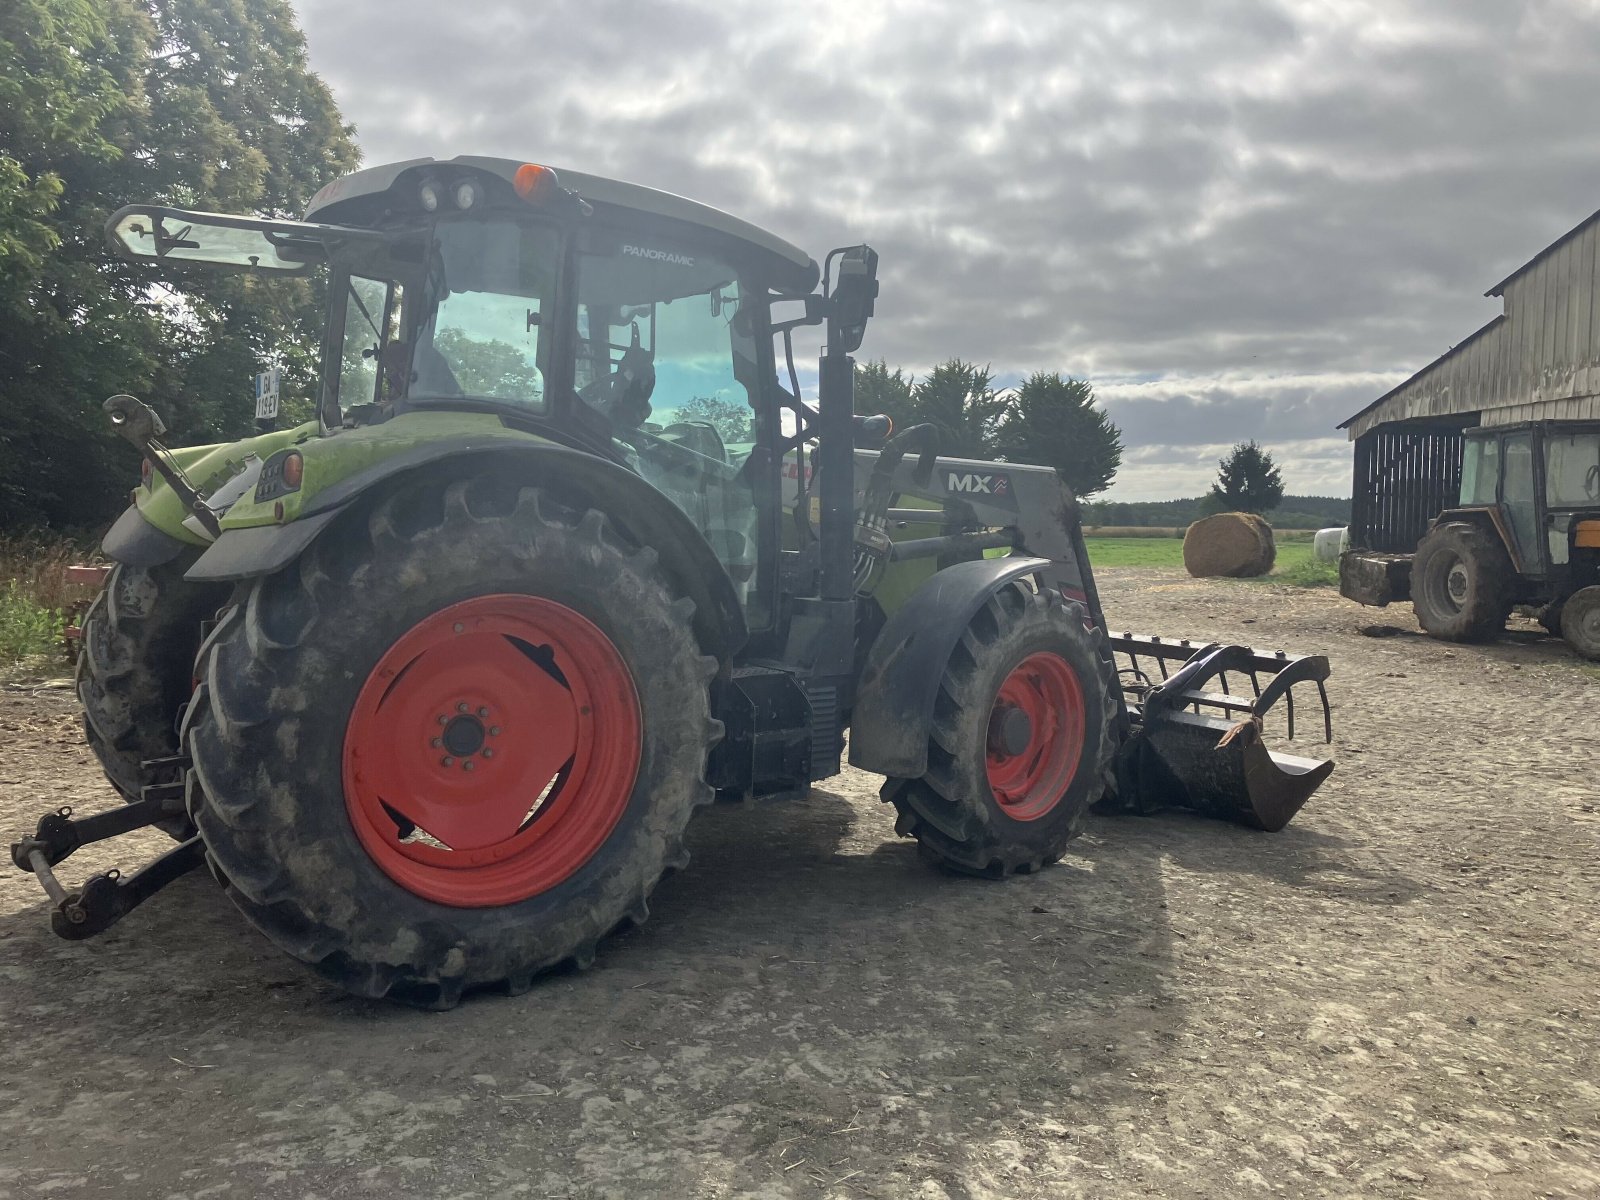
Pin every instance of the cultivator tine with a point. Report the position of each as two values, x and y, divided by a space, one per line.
1202 749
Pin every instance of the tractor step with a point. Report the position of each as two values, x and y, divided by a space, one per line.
107 897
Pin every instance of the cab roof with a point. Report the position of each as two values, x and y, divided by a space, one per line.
797 271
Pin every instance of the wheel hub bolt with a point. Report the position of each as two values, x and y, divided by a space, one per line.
483 712
447 761
468 765
488 752
436 743
494 731
462 707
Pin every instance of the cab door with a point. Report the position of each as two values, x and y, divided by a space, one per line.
1519 499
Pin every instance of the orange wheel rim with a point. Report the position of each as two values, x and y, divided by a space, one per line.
1036 735
492 751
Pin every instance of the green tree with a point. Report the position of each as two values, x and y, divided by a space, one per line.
1053 420
1247 481
881 392
734 423
200 103
960 399
486 367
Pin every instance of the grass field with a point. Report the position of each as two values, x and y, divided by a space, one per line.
1295 564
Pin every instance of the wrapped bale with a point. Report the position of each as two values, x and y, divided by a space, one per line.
1329 544
1235 545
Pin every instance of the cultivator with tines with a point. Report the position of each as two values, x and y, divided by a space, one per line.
1198 742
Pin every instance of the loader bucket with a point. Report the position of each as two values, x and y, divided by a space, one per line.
1196 743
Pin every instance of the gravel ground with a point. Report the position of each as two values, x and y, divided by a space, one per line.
1395 997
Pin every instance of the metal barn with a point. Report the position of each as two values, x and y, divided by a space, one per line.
1538 360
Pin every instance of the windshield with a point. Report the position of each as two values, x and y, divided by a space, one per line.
489 288
1572 471
1480 470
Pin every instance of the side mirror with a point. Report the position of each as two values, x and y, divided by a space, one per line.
854 296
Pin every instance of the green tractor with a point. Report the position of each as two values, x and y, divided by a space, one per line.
434 681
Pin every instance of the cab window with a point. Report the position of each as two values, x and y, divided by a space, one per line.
664 360
371 309
488 291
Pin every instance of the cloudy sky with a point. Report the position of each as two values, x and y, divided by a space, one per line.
1238 218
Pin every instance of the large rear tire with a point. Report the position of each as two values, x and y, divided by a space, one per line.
1022 741
1580 622
455 745
1462 583
136 666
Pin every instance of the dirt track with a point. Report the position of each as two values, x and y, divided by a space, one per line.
1395 997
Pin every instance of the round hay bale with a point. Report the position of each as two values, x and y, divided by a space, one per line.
1269 543
1233 545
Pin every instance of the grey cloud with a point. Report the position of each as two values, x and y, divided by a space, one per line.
1270 189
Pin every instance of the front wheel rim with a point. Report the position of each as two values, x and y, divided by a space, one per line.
1036 736
492 751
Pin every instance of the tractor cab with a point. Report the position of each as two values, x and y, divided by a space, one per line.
1538 486
607 317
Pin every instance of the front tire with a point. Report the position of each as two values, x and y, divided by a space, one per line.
1462 583
453 746
1022 741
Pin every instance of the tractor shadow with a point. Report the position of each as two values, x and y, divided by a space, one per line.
808 973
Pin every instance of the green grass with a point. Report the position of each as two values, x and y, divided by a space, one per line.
27 628
37 602
1295 564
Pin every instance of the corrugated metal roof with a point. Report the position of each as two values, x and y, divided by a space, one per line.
1443 358
1543 348
1561 241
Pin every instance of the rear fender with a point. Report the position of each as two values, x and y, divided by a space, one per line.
133 540
893 711
641 512
1492 521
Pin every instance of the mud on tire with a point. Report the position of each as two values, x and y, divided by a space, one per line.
286 669
1461 583
952 810
136 666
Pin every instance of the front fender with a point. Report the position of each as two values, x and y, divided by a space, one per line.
638 510
893 711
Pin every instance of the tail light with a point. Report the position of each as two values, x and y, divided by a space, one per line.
280 475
